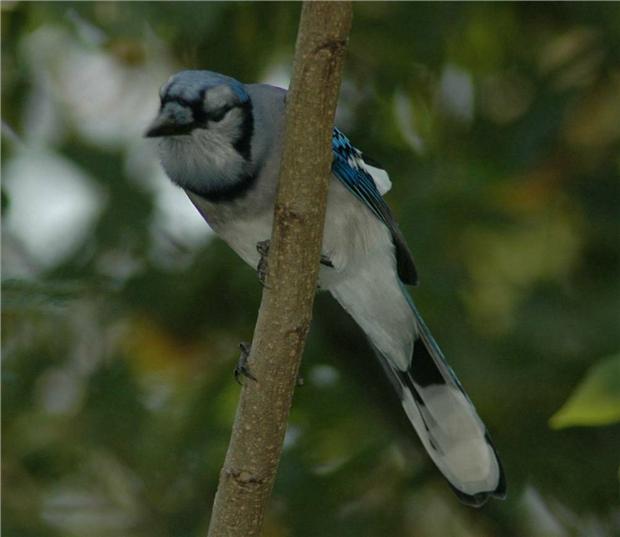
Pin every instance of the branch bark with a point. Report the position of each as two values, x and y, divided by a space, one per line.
249 470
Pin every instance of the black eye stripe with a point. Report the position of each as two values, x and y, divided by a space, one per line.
200 117
167 99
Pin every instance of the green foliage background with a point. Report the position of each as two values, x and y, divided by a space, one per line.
500 126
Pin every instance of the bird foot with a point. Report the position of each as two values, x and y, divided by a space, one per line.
326 261
242 369
262 248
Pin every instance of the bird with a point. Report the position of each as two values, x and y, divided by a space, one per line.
220 140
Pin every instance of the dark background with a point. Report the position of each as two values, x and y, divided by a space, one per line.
122 313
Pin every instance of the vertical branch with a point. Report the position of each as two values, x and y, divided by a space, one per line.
249 470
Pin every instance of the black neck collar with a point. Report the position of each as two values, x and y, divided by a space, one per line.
227 192
231 191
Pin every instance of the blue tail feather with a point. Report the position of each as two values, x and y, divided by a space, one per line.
446 421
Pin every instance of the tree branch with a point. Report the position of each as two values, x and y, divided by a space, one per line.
249 470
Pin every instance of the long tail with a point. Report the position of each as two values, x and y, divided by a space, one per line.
446 421
431 395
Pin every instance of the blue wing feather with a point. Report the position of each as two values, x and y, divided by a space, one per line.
348 167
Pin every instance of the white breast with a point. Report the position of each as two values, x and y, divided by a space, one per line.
240 225
243 236
352 232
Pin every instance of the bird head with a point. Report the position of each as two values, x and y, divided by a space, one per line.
198 100
204 129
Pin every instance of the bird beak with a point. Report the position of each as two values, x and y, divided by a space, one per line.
163 125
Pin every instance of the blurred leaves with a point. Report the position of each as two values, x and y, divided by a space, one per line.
542 248
42 297
122 314
596 400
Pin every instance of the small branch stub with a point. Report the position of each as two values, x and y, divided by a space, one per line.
249 471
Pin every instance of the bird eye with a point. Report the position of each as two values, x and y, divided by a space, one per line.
217 101
217 115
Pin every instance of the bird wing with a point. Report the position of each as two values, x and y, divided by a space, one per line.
367 181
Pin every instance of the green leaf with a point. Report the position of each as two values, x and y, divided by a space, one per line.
38 295
596 401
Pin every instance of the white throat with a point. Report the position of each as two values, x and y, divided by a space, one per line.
206 159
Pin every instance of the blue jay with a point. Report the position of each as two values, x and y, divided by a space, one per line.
221 141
